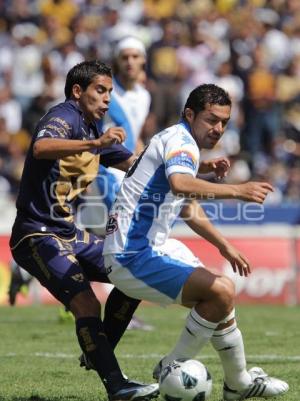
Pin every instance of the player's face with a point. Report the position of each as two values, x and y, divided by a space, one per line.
94 101
208 125
130 63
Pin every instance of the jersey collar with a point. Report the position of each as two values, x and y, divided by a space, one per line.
186 125
74 104
91 125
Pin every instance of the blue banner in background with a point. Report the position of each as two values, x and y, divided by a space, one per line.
251 213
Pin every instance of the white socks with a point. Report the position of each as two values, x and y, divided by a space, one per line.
227 342
196 333
230 347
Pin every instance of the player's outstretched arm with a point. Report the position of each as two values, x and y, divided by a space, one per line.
190 187
195 217
56 148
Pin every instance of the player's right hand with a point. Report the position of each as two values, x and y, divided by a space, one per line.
254 191
238 261
112 136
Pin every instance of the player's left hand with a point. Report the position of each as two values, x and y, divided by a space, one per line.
237 260
219 166
114 135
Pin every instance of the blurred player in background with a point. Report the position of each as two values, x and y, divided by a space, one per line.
61 162
145 264
130 101
129 107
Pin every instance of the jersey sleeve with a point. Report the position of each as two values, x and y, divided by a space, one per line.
116 116
56 125
181 156
113 155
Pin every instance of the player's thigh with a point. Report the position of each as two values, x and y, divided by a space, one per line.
156 275
88 249
203 285
53 263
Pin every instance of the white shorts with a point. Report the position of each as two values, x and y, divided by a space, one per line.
154 274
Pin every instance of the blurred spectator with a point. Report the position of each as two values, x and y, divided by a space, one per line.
21 11
164 74
195 60
235 87
53 35
133 10
65 56
53 81
38 107
293 185
288 145
261 109
6 58
10 110
251 48
160 9
275 43
63 10
12 156
288 82
27 79
114 28
15 161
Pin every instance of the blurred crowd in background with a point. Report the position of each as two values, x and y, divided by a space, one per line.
251 48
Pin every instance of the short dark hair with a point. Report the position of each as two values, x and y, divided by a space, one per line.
206 94
83 74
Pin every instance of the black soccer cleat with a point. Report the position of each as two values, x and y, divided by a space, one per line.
135 391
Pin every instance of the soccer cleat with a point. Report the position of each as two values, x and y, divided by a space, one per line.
157 370
135 391
262 386
18 284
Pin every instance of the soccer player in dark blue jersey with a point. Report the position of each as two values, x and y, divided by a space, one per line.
61 162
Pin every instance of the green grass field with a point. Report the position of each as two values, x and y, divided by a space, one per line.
38 355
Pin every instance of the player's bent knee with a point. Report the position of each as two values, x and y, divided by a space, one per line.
205 286
85 304
225 293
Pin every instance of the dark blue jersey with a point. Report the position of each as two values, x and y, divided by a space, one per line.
49 187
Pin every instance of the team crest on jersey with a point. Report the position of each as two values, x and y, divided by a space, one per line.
181 158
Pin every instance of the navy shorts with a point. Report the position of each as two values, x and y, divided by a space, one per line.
64 267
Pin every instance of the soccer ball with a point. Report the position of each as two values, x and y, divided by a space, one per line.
185 380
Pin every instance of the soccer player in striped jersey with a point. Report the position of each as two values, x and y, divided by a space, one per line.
144 263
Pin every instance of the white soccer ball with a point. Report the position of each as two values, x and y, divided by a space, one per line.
185 380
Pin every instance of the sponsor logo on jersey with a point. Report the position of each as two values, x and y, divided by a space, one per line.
181 158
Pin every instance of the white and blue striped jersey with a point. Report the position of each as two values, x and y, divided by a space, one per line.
128 109
146 208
